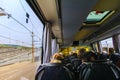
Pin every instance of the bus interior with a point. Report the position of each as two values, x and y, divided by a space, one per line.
80 22
67 25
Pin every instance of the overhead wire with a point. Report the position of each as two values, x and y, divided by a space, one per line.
21 24
12 29
10 16
27 13
33 26
30 18
13 39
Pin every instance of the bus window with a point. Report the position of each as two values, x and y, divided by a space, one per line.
95 47
20 29
106 43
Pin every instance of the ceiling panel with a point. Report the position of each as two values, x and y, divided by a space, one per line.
104 5
83 33
49 10
74 13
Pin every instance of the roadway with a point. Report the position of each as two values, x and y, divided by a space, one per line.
18 71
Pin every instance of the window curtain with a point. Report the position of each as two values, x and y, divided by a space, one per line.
57 48
47 43
54 46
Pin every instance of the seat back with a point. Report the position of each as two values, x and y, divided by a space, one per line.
53 72
99 71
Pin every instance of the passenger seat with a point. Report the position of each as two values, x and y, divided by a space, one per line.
53 71
99 70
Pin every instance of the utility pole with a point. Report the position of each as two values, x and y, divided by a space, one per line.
32 47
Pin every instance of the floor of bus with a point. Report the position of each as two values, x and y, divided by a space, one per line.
19 71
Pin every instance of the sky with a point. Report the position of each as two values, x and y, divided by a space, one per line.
11 32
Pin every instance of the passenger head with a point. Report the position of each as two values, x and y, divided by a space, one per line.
111 50
73 54
83 50
81 53
89 56
56 58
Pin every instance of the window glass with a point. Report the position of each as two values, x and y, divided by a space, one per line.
107 43
95 46
19 28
